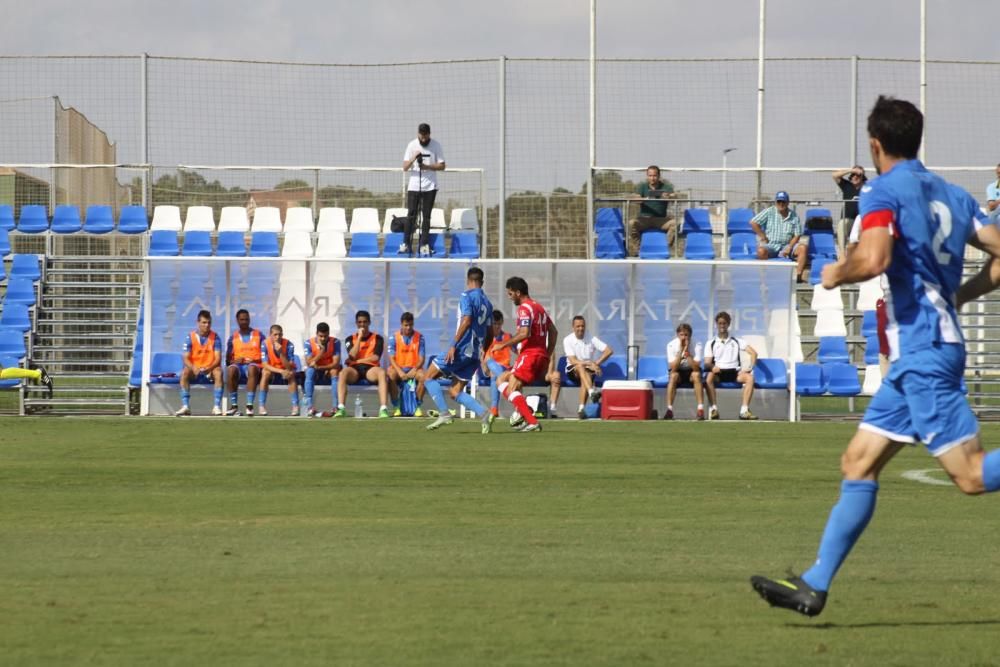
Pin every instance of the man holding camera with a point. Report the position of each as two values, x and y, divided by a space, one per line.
423 158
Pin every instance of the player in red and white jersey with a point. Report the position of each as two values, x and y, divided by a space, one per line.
537 337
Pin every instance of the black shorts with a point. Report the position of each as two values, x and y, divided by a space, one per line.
728 374
573 375
362 370
685 375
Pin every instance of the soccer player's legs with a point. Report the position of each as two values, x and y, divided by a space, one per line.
496 370
529 367
376 376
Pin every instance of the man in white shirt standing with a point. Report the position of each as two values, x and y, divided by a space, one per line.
723 357
423 158
684 360
584 356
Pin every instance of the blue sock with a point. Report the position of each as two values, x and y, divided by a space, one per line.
217 397
991 471
494 393
186 397
333 393
295 398
263 398
470 403
233 398
437 395
251 395
310 386
847 521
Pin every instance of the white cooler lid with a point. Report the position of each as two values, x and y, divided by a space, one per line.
627 384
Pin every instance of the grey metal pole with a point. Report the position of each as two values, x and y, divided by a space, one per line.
760 95
502 189
854 110
593 129
144 126
923 76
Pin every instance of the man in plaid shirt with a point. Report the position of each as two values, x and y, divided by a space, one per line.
778 230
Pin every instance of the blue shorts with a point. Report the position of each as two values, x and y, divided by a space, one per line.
496 368
462 368
243 371
921 400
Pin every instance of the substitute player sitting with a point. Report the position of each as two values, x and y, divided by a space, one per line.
243 360
322 366
363 362
537 336
279 360
202 358
406 361
498 360
466 354
724 357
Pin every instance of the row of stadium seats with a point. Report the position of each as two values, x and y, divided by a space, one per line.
16 307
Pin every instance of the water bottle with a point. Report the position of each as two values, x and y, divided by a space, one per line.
357 407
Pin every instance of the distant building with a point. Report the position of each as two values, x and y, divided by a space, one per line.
282 199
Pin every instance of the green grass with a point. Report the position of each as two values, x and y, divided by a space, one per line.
236 542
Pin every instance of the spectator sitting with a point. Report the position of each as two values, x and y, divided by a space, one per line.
497 361
685 367
364 356
778 229
406 361
723 356
850 182
584 356
278 355
993 198
243 359
202 357
322 365
652 214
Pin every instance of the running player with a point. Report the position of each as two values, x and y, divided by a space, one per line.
202 358
537 336
278 360
322 366
243 358
466 354
914 228
497 361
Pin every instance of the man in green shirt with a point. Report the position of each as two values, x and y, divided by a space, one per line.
652 214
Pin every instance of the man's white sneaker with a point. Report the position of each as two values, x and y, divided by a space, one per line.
425 251
216 411
531 427
262 411
185 411
443 420
249 411
403 249
295 411
233 411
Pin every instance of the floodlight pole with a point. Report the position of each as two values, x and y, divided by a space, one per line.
725 202
923 76
760 96
593 129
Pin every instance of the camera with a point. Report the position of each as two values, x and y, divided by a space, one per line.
420 157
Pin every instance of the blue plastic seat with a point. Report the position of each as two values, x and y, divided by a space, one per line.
165 368
390 247
869 323
12 343
4 243
655 369
770 374
9 362
697 220
743 245
231 244
610 245
699 246
841 379
133 220
364 244
615 368
197 244
832 349
3 272
25 266
816 270
66 220
809 380
811 219
99 220
653 245
608 219
822 244
739 220
464 245
264 244
20 290
163 243
6 217
34 219
15 315
437 245
871 349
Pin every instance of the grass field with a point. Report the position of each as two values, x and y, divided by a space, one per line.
269 541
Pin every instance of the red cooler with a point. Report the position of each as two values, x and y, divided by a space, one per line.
627 399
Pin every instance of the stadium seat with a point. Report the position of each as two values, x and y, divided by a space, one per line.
163 243
15 315
12 343
873 378
826 299
391 246
165 368
830 322
437 219
266 219
24 265
739 221
608 219
9 362
809 380
759 343
655 369
696 220
742 245
263 243
66 220
615 368
197 243
4 246
6 217
610 245
364 244
332 219
234 219
869 292
20 290
365 221
199 219
299 219
871 349
464 219
841 379
34 219
133 220
832 349
166 217
331 245
297 244
818 219
99 220
437 245
770 374
816 270
391 213
231 244
699 246
869 323
822 244
653 245
464 245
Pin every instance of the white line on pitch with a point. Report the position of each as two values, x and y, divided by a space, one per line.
924 477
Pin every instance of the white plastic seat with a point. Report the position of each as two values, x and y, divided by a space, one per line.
332 219
391 213
365 221
199 219
166 217
266 219
331 245
826 299
234 219
758 343
437 219
869 292
297 244
464 219
873 378
299 219
830 323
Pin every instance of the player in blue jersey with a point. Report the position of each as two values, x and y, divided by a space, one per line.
472 338
914 228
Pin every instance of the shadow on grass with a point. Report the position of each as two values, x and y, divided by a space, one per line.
888 624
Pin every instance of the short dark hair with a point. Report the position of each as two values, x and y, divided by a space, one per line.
242 311
406 317
423 128
898 126
653 166
579 317
323 327
723 315
518 285
475 273
363 313
684 326
276 327
204 313
498 316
